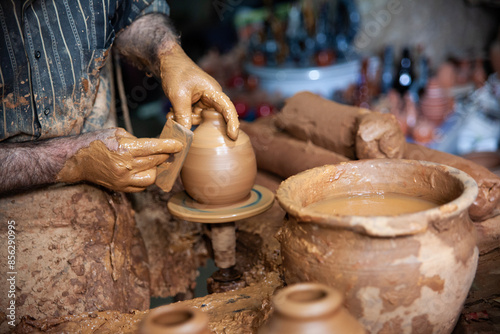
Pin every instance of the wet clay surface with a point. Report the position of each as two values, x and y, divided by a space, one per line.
217 169
75 253
488 183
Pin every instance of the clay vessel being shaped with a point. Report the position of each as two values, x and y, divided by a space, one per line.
174 319
310 308
218 170
406 273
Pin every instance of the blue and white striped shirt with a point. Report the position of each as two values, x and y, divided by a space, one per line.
51 54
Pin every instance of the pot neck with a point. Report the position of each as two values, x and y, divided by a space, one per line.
212 116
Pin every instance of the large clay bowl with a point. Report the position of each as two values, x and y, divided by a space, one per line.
218 170
400 274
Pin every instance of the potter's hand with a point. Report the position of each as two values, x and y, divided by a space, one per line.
117 160
190 90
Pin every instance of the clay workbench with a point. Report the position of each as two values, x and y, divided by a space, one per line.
241 311
258 256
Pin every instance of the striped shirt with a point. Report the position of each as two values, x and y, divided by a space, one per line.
51 56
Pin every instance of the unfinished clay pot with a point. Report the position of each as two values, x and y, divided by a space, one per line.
174 319
310 308
217 169
399 274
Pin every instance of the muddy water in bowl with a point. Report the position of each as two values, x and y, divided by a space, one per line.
389 204
402 273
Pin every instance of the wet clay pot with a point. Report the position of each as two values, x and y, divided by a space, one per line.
217 169
408 273
174 319
310 308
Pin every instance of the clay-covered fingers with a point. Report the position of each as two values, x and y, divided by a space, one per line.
132 189
137 181
182 110
221 102
143 179
142 147
141 164
195 116
122 133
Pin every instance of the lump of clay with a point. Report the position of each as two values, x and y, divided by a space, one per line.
309 117
349 131
379 136
282 154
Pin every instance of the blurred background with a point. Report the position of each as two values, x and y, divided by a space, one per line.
433 64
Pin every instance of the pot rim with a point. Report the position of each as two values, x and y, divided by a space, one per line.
324 300
380 226
195 320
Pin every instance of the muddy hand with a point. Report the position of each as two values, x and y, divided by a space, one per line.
117 160
190 89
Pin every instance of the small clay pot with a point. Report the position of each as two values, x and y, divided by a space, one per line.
174 319
217 169
399 274
310 308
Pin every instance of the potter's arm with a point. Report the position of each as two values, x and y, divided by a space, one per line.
26 165
112 158
151 44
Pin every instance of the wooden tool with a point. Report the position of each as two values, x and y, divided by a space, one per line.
167 172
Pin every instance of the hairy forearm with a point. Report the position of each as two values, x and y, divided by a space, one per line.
145 39
27 165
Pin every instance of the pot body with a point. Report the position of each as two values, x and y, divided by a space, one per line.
310 308
399 274
217 169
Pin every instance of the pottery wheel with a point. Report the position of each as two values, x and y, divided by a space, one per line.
182 206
